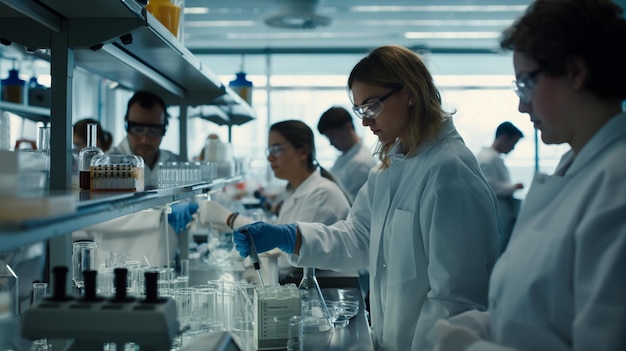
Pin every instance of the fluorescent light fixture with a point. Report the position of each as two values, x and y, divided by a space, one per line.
296 35
452 35
195 10
441 8
435 23
206 24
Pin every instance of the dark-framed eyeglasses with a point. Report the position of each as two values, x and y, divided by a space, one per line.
525 85
144 129
274 150
373 109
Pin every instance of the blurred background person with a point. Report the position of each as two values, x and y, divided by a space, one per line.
79 136
497 174
146 121
353 165
313 194
560 284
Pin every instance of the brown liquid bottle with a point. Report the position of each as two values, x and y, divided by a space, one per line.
86 154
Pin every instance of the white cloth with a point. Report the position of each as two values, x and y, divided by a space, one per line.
497 175
150 174
560 284
141 233
317 199
352 167
426 228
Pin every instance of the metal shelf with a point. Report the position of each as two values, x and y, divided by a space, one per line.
38 114
97 210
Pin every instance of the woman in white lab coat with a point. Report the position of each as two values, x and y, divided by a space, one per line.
425 221
313 195
561 285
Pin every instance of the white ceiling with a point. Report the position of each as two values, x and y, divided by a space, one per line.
356 25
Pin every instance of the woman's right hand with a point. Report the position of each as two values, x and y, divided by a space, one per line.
266 236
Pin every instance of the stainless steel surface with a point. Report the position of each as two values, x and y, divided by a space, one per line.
356 336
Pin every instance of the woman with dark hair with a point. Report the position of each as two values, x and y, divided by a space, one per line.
560 284
313 195
424 223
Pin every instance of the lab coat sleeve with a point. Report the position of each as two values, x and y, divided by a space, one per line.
599 283
458 221
343 246
494 171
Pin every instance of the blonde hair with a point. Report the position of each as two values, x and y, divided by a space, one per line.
395 67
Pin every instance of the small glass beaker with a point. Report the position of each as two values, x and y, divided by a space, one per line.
84 257
40 290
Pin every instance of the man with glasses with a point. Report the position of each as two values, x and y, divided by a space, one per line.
146 124
353 165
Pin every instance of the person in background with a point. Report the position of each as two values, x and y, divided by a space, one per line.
313 194
497 174
79 136
353 165
140 233
560 284
424 223
146 121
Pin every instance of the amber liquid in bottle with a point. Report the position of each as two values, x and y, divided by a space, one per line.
85 156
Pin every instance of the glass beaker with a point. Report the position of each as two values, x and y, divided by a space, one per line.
40 290
84 257
315 316
9 287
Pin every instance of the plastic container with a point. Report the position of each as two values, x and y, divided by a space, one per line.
117 173
242 87
13 87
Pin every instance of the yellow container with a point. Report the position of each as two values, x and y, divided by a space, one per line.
169 13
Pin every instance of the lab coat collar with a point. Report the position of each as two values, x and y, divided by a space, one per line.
612 131
447 128
309 183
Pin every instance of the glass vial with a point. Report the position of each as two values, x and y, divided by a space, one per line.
86 154
9 288
315 316
294 336
39 293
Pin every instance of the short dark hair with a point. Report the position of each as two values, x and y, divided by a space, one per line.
508 129
147 100
334 117
592 30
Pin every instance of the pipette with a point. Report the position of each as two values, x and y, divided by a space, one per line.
254 256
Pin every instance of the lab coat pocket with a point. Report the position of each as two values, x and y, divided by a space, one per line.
401 260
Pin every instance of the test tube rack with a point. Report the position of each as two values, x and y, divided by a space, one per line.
92 321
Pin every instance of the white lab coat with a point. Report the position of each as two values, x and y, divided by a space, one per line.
150 174
498 177
352 167
427 228
317 199
561 283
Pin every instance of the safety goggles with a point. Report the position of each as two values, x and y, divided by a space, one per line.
145 130
274 150
373 109
525 85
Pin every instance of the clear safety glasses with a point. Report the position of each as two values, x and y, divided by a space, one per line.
525 85
274 150
375 108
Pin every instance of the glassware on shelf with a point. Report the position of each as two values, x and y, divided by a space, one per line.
86 154
117 173
315 315
40 291
9 287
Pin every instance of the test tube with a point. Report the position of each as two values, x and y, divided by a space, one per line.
40 291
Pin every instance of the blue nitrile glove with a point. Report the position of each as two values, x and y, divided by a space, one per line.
181 215
266 237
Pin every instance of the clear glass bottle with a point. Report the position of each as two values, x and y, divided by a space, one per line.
315 316
86 154
9 288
